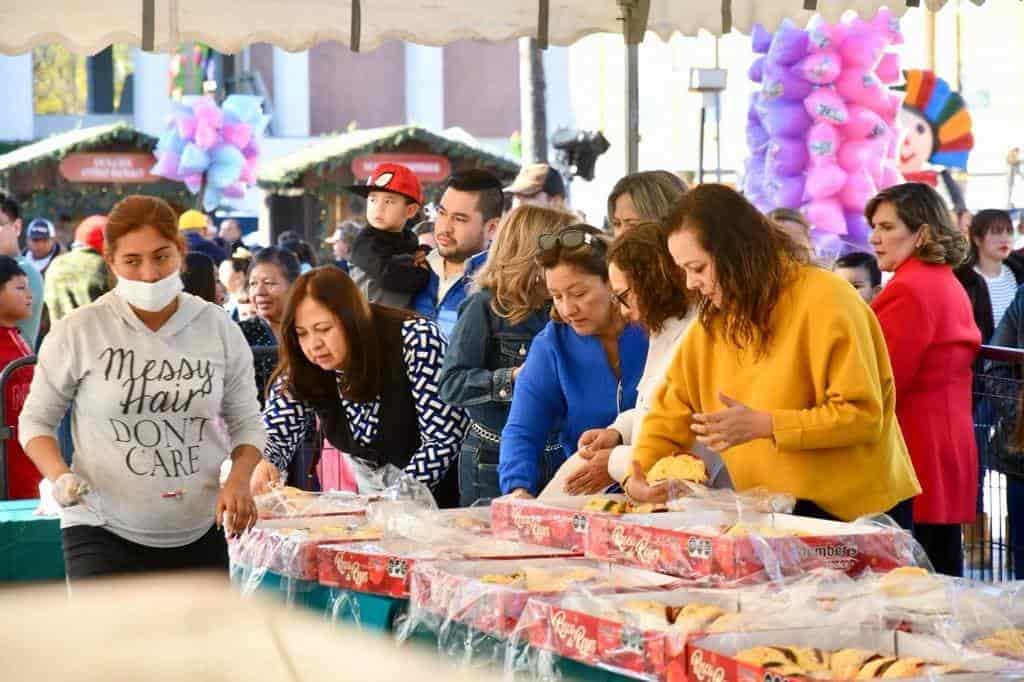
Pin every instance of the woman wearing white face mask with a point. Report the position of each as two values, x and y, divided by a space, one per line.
148 371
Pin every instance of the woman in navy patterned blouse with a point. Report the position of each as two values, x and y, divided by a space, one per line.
369 373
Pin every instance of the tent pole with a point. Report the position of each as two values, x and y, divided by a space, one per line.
634 25
632 109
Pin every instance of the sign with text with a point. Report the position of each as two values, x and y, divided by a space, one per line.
110 167
428 167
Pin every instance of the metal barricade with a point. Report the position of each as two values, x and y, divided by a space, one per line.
994 544
7 430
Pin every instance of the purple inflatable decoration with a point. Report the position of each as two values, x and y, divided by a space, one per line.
782 82
786 157
789 45
761 39
756 71
786 119
858 232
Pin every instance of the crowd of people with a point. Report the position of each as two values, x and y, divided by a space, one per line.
499 347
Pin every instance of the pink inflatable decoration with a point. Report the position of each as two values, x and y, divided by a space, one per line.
862 87
864 124
827 215
888 70
826 106
863 46
821 68
858 191
825 181
823 143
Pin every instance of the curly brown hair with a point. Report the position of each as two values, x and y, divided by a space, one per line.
654 278
920 206
754 261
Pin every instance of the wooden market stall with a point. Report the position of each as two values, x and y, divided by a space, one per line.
306 189
85 171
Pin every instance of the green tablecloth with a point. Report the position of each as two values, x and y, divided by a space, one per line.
30 546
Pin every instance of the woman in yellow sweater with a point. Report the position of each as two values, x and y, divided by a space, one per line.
787 375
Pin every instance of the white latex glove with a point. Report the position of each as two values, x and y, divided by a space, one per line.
68 489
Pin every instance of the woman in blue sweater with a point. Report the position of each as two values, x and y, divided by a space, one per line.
582 369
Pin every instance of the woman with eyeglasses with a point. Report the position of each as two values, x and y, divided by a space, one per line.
787 375
490 341
650 291
582 369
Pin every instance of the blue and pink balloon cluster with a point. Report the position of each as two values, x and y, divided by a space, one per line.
213 148
822 130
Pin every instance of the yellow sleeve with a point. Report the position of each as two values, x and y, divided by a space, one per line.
848 365
666 427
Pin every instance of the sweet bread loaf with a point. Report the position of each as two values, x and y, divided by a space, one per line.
679 467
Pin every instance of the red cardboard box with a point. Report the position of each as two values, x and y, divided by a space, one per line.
674 544
455 591
593 631
384 567
553 522
712 658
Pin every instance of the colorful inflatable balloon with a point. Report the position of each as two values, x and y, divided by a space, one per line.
822 126
213 149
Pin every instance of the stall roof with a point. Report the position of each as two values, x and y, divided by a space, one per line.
56 147
336 151
230 25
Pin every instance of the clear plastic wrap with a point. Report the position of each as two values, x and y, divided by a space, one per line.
284 551
471 607
687 496
557 521
287 502
644 635
837 652
384 567
721 547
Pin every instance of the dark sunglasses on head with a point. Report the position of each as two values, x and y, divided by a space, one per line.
568 238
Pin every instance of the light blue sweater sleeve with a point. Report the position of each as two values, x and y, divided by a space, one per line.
537 405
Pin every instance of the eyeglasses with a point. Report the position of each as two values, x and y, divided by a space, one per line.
568 238
621 297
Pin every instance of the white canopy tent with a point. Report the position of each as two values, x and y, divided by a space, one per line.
230 25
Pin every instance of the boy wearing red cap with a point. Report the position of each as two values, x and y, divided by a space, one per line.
386 261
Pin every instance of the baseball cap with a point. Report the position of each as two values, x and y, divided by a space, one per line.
537 177
41 228
191 220
391 177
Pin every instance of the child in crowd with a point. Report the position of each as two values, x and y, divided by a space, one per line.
862 272
387 262
15 305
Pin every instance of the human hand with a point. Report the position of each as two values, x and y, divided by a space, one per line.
516 371
236 510
69 488
639 490
263 476
419 259
735 425
592 477
521 494
599 439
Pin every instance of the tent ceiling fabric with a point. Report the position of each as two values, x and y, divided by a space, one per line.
230 25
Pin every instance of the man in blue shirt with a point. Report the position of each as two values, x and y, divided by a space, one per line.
10 230
467 219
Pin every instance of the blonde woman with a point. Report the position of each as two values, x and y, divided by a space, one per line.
491 339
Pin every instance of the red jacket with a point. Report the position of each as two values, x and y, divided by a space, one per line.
929 327
22 476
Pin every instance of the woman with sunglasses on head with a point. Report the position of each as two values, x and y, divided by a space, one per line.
786 375
651 292
582 369
491 339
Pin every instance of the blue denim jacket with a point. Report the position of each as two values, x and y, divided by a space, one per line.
483 349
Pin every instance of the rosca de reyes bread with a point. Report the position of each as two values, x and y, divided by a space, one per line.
679 467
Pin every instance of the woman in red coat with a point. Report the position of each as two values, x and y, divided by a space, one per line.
933 341
15 305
